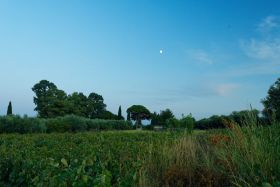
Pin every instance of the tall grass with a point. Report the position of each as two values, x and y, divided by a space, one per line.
236 156
253 155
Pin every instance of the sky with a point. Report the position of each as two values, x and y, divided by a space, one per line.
192 56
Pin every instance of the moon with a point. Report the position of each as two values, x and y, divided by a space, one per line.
160 51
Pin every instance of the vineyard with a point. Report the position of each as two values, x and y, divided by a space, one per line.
237 156
82 159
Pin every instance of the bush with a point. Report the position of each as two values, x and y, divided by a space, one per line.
16 124
69 123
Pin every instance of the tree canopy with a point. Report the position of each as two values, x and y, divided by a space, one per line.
162 118
272 102
138 113
51 102
96 105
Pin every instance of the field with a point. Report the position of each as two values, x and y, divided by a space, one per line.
233 157
102 159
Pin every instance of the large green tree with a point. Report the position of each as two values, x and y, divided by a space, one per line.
272 102
138 113
96 106
10 109
49 100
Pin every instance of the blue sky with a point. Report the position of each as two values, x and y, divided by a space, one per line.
218 56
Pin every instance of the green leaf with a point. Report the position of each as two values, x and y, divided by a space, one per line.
85 178
64 162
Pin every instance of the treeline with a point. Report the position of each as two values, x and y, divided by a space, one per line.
53 105
166 119
241 118
269 115
52 102
68 123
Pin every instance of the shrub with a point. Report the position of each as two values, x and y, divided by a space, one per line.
16 124
69 123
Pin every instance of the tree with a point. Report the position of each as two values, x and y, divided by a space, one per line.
212 122
188 122
120 117
49 100
272 102
96 105
77 104
138 113
244 116
10 110
155 119
162 118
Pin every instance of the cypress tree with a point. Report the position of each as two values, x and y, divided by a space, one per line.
10 110
120 117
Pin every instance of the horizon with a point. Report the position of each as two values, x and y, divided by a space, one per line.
191 57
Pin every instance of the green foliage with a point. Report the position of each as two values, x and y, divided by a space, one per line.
138 113
49 100
242 116
237 156
214 122
272 102
173 123
69 123
188 122
100 124
120 117
162 118
252 155
96 106
108 115
80 159
77 104
9 109
17 124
